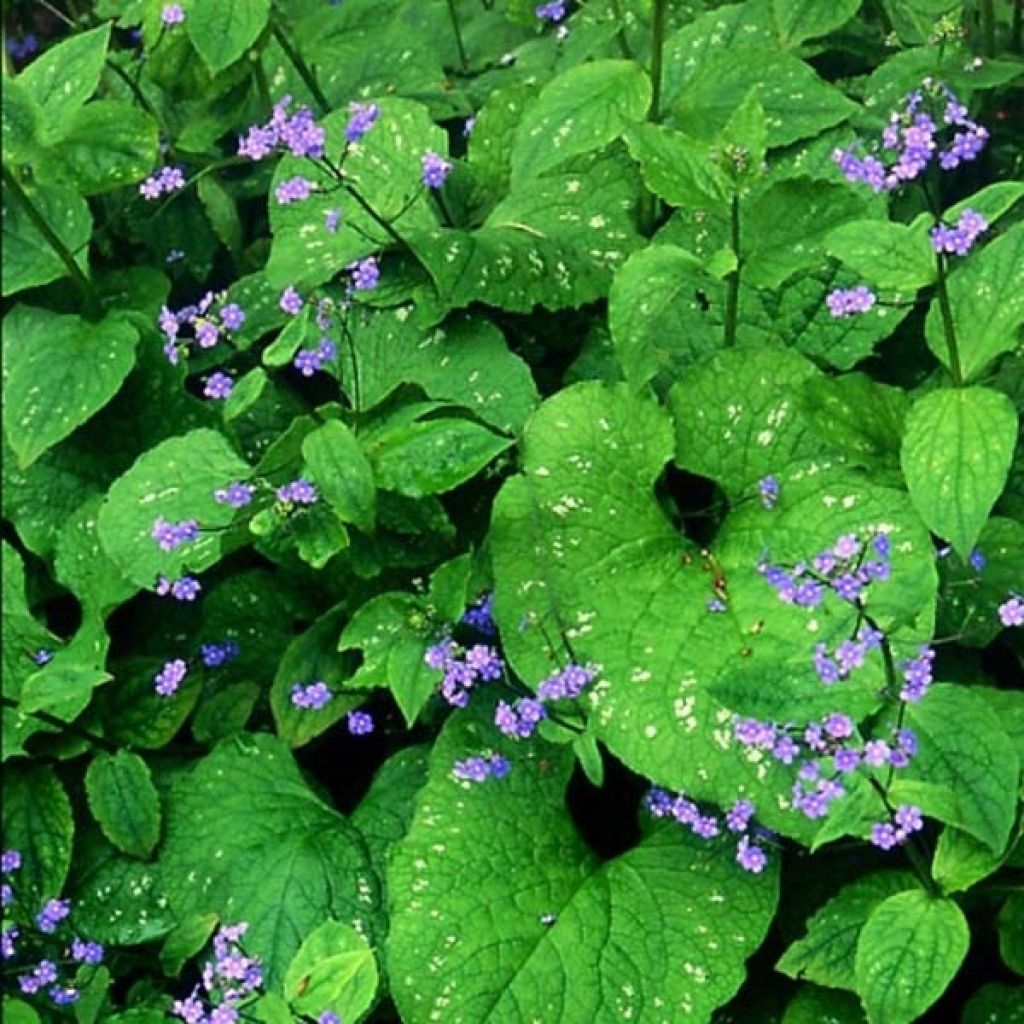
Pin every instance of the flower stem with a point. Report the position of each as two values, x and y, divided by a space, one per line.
732 295
90 296
988 27
657 55
948 325
305 73
453 15
69 727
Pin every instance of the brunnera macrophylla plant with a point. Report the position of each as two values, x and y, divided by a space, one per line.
513 512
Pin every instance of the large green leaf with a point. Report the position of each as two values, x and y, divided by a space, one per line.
342 473
582 109
60 370
907 954
987 298
385 169
888 255
797 103
495 889
222 30
38 823
798 20
956 456
967 769
124 801
677 168
825 955
175 480
248 839
29 259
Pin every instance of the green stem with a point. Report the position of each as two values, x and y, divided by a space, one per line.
732 295
620 34
453 16
378 219
917 859
988 27
133 87
90 296
297 62
657 55
948 326
69 727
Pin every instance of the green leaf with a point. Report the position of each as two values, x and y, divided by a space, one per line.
38 822
580 110
175 480
1011 932
676 167
18 1012
29 259
995 1003
222 30
887 254
334 969
797 103
65 76
543 929
63 688
656 316
60 370
812 1005
987 298
222 212
967 768
21 121
907 954
185 941
124 801
798 20
247 839
956 457
825 955
342 473
108 144
385 169
961 860
735 417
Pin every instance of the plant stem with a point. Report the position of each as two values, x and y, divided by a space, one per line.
620 35
133 87
378 219
948 326
297 62
70 727
90 296
914 855
453 15
732 295
657 48
988 27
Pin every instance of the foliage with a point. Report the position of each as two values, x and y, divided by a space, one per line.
513 511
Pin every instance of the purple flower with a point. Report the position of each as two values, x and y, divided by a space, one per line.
768 488
435 169
1011 612
232 316
236 494
827 669
883 835
215 655
361 118
961 238
479 769
485 662
750 857
365 274
480 615
332 220
170 536
207 332
312 696
86 952
165 181
847 301
172 14
308 361
293 190
752 733
298 492
553 11
169 678
738 817
328 1017
10 861
785 750
908 818
8 937
291 301
220 385
53 912
846 759
917 675
468 126
360 723
185 589
190 1009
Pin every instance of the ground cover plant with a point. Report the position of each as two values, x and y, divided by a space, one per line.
513 512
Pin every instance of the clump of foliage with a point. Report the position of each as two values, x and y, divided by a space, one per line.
513 511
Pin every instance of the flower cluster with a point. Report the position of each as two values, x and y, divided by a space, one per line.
435 169
959 238
215 655
750 854
218 385
553 12
296 132
229 981
311 696
309 360
207 327
479 769
165 181
365 274
293 190
290 301
360 723
297 492
914 137
480 615
21 49
905 821
520 720
186 588
170 536
848 301
172 673
171 15
236 494
44 974
463 668
1011 611
361 118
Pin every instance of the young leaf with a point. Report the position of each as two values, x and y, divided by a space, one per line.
342 472
222 30
677 168
124 801
907 953
888 255
956 456
799 20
